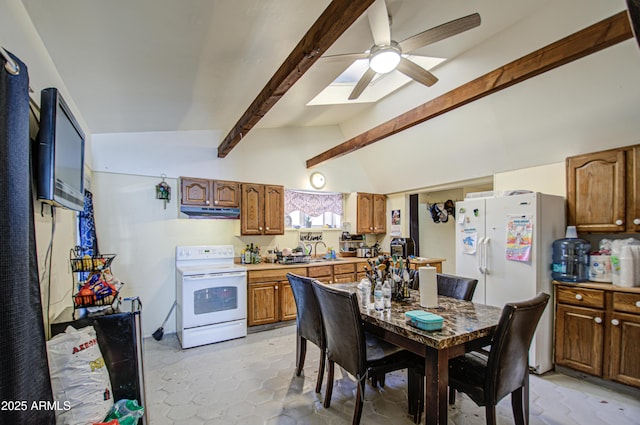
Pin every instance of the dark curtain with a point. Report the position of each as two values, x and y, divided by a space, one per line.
87 227
24 372
414 227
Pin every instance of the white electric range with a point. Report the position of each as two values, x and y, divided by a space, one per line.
211 295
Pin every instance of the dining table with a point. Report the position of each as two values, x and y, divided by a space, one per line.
467 326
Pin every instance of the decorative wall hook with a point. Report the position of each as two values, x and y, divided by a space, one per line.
163 191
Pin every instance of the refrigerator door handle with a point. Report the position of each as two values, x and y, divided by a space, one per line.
485 256
479 246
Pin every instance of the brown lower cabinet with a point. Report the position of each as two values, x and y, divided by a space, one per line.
269 295
597 331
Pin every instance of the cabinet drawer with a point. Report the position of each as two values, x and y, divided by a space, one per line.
344 278
580 296
320 271
344 268
361 266
629 303
274 275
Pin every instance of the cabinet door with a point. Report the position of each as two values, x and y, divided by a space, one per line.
625 349
252 211
344 278
273 210
580 338
379 214
226 194
633 190
365 213
287 302
263 303
596 191
195 191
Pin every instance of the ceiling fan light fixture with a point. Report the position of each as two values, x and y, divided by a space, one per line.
385 59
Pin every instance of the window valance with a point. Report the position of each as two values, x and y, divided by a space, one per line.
313 204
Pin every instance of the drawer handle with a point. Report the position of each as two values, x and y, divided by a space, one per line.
578 297
597 320
636 221
638 304
619 222
615 322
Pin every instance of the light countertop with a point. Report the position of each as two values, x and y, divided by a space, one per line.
340 260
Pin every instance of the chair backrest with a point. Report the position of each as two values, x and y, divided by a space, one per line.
458 287
343 328
308 317
508 362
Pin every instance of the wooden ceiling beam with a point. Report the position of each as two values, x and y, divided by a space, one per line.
599 36
334 21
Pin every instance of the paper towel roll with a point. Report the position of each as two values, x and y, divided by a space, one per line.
627 272
428 287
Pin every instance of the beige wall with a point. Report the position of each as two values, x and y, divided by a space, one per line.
549 179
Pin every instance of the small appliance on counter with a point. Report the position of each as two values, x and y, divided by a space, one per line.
403 247
350 244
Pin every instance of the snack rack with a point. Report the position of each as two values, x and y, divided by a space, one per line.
83 268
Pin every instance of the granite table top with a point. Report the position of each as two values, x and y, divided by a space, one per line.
464 321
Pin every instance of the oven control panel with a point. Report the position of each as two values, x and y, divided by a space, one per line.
204 252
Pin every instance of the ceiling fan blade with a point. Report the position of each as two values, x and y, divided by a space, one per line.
345 57
379 23
440 32
416 72
362 83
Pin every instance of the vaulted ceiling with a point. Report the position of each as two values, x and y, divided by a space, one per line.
163 65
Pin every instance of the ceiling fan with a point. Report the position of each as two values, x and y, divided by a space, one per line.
386 54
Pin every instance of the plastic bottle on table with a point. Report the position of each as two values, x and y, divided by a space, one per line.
365 292
386 295
377 297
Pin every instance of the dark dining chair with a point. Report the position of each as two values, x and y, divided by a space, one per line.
355 350
488 379
309 325
458 287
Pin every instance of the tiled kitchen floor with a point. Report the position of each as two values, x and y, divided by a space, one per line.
251 381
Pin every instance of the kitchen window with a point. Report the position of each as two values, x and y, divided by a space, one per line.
308 209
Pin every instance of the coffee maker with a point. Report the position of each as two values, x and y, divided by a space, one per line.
403 247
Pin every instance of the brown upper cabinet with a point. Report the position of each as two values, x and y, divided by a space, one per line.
262 211
213 193
371 213
195 191
603 190
226 194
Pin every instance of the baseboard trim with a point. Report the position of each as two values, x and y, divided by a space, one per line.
612 385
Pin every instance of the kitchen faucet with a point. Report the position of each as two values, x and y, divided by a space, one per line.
315 247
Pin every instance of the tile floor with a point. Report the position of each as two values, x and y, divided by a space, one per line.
251 381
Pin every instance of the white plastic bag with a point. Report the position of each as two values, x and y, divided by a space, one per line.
79 377
623 261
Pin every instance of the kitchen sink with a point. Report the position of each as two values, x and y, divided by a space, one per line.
323 260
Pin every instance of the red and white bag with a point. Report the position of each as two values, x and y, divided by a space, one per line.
79 377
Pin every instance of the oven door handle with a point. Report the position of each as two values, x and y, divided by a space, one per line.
214 275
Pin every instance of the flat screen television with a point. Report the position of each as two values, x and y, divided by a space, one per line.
60 154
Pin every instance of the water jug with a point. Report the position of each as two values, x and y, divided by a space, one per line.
570 258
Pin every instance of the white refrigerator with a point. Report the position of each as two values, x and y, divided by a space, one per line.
506 243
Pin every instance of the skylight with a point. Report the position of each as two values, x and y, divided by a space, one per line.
382 84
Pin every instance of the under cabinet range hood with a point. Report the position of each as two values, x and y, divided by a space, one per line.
210 212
